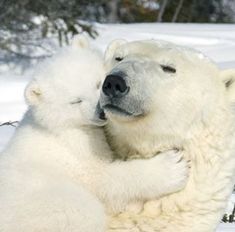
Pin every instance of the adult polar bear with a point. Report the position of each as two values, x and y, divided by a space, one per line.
160 96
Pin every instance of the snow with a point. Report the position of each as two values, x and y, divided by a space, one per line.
215 41
226 228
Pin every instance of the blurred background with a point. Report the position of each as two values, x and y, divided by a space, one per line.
25 25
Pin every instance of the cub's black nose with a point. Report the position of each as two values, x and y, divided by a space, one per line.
115 86
102 115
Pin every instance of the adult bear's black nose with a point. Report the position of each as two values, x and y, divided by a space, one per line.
115 86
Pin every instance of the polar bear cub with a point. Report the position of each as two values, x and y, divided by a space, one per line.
57 170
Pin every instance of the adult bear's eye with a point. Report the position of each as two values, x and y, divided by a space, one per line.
77 101
118 59
168 69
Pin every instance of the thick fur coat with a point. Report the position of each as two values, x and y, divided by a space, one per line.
176 98
57 172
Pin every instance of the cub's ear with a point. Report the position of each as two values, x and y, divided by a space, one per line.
33 93
112 47
228 77
80 41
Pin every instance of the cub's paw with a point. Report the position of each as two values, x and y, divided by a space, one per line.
175 170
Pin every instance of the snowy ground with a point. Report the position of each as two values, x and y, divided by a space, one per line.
216 41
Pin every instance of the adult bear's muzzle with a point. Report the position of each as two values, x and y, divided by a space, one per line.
115 86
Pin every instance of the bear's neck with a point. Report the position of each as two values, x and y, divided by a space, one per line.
77 140
83 141
136 141
88 142
130 142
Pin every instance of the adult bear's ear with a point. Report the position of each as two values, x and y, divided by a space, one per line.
112 47
228 77
33 93
80 41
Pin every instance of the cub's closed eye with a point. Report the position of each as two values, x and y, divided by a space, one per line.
168 69
119 58
77 101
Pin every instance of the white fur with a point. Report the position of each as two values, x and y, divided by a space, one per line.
190 110
58 159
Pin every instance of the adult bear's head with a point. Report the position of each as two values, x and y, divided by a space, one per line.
155 86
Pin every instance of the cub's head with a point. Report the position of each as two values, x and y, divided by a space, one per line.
65 89
160 85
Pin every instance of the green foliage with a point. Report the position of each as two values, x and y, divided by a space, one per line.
52 16
133 11
200 11
25 23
